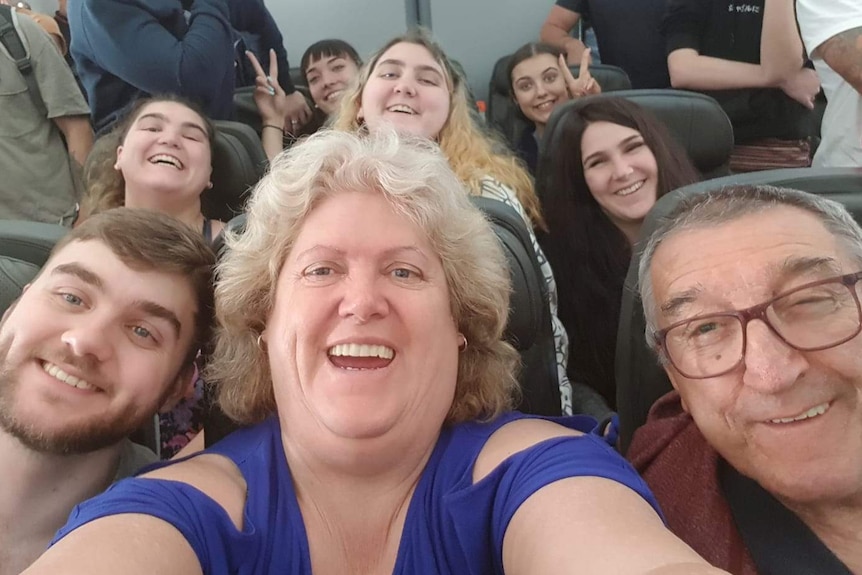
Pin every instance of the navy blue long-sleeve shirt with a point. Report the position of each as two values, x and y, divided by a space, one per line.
124 49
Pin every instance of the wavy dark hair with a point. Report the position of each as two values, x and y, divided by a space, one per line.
588 253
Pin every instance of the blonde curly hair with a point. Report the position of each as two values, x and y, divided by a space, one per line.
417 180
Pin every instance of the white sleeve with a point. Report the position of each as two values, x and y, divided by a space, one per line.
820 20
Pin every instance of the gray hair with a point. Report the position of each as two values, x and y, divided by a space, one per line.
715 207
415 178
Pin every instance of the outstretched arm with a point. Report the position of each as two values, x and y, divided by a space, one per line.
843 53
78 134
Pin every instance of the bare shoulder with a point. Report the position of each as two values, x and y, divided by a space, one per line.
214 475
515 437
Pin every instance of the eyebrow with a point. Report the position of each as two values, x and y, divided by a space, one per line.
798 265
402 64
621 144
673 306
80 272
153 309
391 252
164 118
150 308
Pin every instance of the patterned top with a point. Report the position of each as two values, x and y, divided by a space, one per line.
495 190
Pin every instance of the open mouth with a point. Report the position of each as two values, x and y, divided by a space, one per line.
334 95
168 160
815 411
358 357
402 109
545 106
66 378
629 190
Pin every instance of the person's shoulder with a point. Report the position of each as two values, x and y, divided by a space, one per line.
521 433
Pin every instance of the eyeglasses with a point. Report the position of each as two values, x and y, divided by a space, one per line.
811 317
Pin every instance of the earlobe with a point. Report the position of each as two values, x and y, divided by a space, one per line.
117 162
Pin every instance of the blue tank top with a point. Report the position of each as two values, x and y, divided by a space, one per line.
452 525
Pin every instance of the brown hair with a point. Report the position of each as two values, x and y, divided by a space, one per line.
147 240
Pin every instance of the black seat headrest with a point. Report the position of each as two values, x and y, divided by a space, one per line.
503 114
24 249
640 380
238 161
696 121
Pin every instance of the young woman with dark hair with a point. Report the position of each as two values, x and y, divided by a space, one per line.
540 80
612 162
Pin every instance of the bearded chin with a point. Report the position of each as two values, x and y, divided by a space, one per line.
39 434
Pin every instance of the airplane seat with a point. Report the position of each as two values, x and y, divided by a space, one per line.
696 121
502 113
640 379
24 249
238 161
528 330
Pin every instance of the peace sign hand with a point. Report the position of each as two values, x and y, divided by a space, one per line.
268 95
584 84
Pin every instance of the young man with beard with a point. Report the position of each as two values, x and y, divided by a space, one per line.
102 339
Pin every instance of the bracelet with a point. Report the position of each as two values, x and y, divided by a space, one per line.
274 127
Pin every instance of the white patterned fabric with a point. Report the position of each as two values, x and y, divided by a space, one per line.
495 190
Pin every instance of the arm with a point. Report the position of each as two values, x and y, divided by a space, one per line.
594 525
843 53
115 537
139 542
780 47
580 524
193 66
780 44
78 134
557 31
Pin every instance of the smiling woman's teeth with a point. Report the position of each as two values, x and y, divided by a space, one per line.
631 189
362 350
61 375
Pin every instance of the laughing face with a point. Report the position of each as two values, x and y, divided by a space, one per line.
408 90
539 86
789 419
327 78
620 171
165 158
361 340
92 350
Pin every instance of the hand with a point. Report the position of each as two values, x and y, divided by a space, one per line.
584 84
803 87
297 112
269 97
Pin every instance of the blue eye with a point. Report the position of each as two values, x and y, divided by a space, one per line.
71 299
141 332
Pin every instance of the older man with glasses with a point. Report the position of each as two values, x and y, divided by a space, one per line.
751 298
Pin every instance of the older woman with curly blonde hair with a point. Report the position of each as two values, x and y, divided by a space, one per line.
361 316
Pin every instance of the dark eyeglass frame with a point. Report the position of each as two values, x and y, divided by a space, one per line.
744 316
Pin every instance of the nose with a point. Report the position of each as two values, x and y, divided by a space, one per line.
88 339
169 137
622 169
406 85
328 79
363 299
770 364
